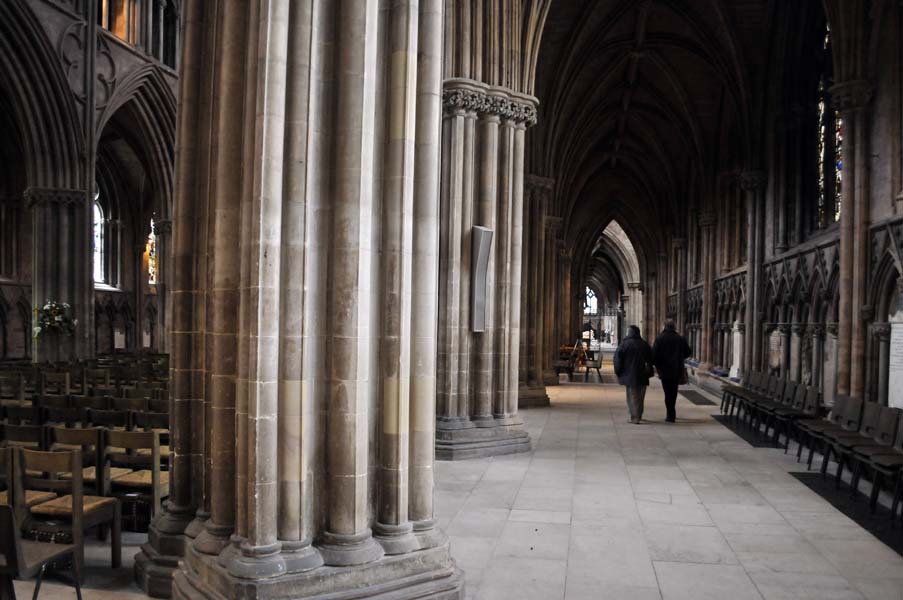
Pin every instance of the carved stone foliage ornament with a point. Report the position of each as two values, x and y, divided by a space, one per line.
849 96
72 56
471 96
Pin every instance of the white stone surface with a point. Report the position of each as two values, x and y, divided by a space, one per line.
605 509
895 370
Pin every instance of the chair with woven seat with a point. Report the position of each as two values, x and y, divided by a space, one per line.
29 497
90 442
72 511
54 383
154 421
147 481
23 559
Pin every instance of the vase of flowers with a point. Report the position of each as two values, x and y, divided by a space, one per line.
53 322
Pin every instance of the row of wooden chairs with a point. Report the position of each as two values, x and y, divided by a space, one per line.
74 401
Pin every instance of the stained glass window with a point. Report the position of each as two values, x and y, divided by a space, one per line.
830 143
591 305
97 238
151 255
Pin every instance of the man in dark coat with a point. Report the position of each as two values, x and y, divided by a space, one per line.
633 365
670 352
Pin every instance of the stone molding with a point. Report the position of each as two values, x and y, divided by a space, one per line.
468 95
48 196
538 181
881 331
850 96
553 224
867 312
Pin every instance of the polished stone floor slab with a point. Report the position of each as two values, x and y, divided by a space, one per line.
605 509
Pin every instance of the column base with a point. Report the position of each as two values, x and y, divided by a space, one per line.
532 397
550 377
159 557
479 442
422 575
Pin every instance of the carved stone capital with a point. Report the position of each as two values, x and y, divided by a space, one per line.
753 180
784 328
881 331
817 331
741 327
39 197
465 95
539 182
866 312
798 328
831 328
678 243
850 96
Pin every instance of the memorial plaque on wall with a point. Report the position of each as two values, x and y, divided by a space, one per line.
774 350
895 368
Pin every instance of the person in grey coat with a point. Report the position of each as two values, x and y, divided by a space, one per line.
633 366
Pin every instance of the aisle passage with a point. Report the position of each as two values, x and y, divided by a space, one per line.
605 509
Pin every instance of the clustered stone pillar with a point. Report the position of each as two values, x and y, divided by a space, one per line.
852 100
708 221
61 235
306 260
482 184
537 198
753 183
679 248
553 227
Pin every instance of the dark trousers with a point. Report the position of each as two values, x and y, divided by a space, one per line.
670 386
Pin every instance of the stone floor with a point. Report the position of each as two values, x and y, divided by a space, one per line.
605 509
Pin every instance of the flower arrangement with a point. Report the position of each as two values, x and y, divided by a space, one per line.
54 317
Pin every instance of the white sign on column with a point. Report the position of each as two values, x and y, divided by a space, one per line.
895 368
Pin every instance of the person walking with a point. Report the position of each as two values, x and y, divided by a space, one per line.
670 351
633 366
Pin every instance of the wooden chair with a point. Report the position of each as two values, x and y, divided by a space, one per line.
55 383
90 442
23 559
29 497
72 511
95 402
26 436
158 422
12 387
126 404
147 482
21 415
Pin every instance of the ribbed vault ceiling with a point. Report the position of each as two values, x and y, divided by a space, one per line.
642 104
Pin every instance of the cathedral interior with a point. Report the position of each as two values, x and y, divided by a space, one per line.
319 298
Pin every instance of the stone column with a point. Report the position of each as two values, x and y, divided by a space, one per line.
818 354
187 508
679 248
881 333
61 235
753 183
796 346
707 221
319 343
852 99
532 391
551 295
785 330
163 235
479 418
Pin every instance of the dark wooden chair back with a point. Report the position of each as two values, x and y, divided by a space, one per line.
16 414
97 402
870 414
22 435
107 418
888 420
852 415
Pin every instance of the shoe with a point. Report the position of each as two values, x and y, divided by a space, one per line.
670 420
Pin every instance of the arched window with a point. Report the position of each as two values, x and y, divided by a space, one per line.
98 248
829 142
591 305
151 251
